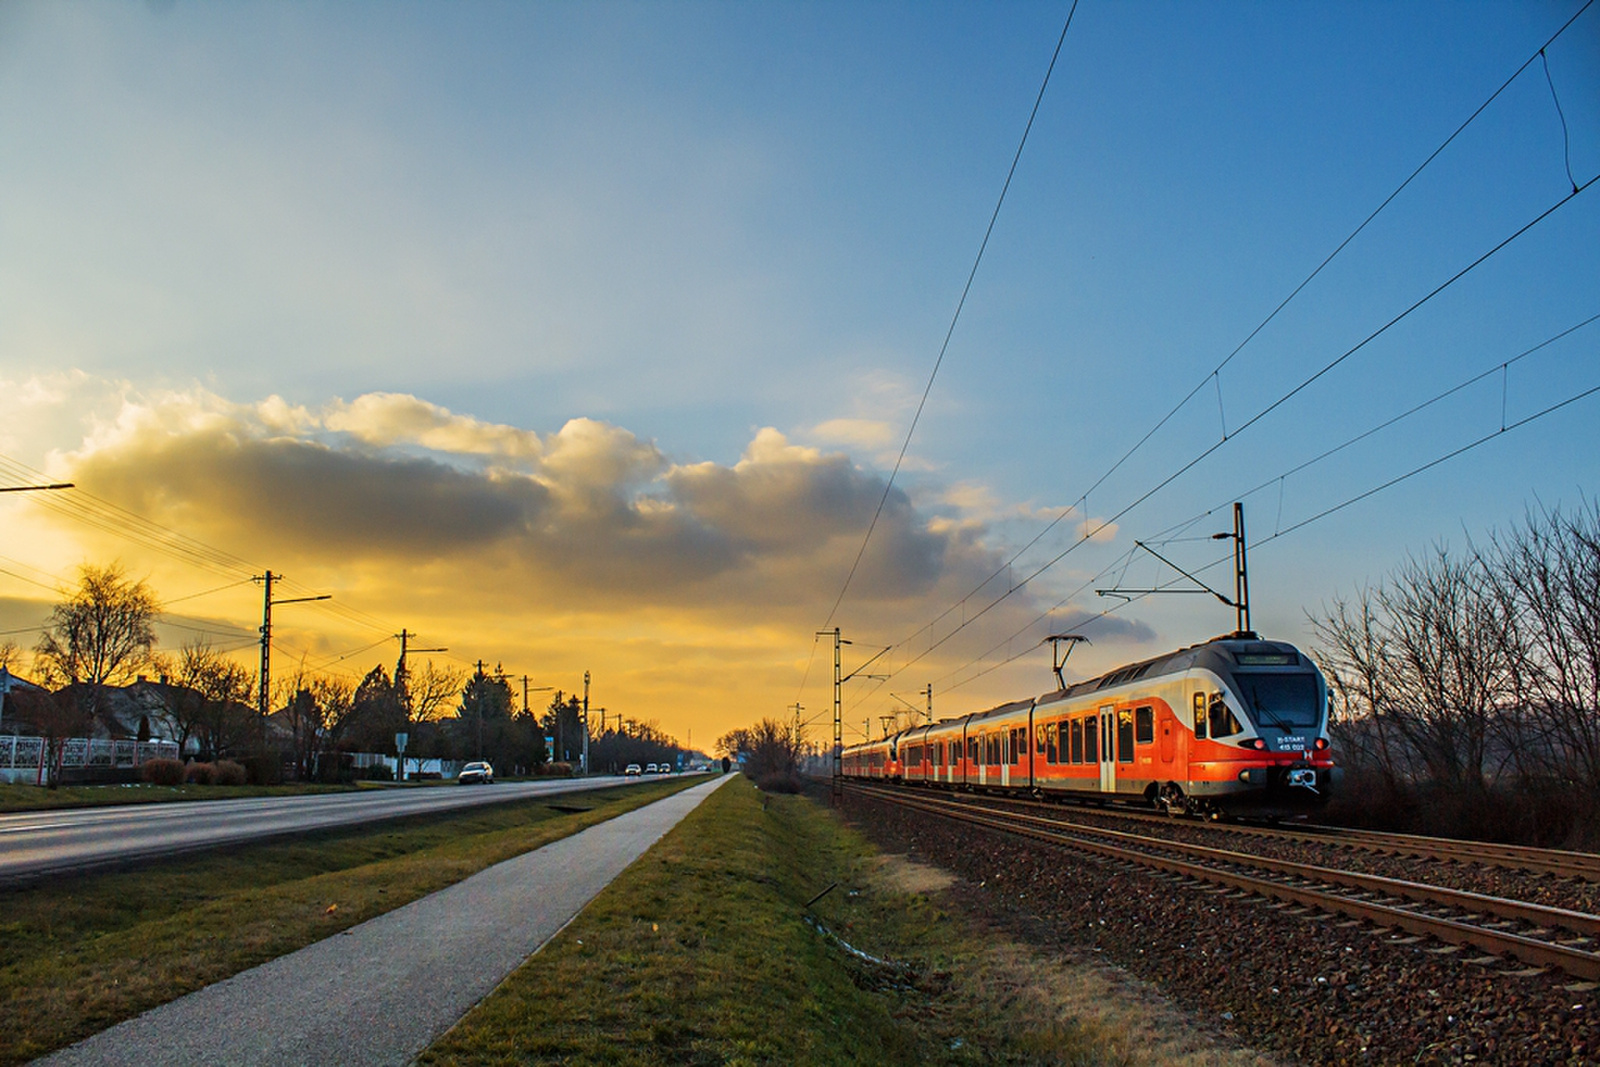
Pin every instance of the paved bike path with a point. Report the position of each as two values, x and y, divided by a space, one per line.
381 992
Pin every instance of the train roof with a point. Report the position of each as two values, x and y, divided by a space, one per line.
1220 654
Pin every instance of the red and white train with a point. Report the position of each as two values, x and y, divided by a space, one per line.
1236 725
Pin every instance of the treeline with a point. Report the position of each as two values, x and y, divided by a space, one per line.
102 636
1468 687
770 754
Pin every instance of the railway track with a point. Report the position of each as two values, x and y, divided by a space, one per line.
1538 935
1555 862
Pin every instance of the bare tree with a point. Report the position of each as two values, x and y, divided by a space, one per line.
1426 659
428 692
100 634
1548 570
318 713
212 703
771 751
8 655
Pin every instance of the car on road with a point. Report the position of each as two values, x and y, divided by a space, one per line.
477 773
633 768
652 769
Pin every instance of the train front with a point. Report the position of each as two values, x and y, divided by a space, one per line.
1265 709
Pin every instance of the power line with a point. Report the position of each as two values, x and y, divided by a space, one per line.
1213 374
1206 452
950 332
1347 502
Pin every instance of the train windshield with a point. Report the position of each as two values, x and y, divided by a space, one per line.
1282 700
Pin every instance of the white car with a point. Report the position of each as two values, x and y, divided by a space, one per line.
633 768
652 769
479 773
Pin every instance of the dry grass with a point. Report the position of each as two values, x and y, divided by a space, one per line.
701 954
79 954
38 798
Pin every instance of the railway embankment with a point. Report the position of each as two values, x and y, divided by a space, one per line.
1308 985
763 931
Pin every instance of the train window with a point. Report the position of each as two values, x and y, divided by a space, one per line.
1125 735
1051 752
1091 751
1144 725
1223 722
1020 734
1077 740
1200 715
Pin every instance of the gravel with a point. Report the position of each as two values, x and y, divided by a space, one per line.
1304 986
1574 894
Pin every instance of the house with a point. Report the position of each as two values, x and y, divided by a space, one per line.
9 682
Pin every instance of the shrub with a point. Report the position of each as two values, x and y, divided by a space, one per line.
556 770
227 772
781 782
378 772
162 771
263 769
200 774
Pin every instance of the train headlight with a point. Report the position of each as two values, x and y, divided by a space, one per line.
1254 742
1322 744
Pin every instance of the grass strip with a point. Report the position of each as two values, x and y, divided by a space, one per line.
701 953
36 798
78 954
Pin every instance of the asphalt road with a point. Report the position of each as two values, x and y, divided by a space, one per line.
42 843
379 993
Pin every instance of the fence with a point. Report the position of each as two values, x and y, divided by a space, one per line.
23 759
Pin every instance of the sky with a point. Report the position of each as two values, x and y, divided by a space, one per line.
587 337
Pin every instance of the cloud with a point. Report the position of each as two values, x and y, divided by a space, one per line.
871 434
590 514
384 419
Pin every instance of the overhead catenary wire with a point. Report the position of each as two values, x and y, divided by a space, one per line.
1160 537
1349 501
1212 448
944 347
1213 374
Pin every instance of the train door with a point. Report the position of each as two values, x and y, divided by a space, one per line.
1108 750
1006 756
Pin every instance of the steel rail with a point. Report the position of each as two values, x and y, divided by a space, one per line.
1560 862
1530 950
1585 865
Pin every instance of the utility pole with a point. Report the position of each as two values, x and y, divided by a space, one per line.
838 703
930 703
477 700
838 723
1241 571
1241 575
35 488
400 673
263 697
404 636
584 766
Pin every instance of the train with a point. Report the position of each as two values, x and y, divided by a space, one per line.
1234 726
